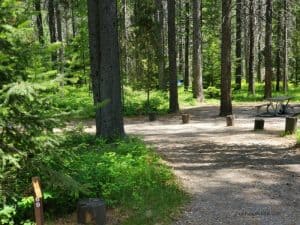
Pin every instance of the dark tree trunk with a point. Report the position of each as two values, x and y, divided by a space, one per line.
105 67
278 50
285 46
187 46
238 49
259 49
173 106
251 87
59 35
39 20
73 18
52 27
268 50
197 64
226 104
161 50
180 40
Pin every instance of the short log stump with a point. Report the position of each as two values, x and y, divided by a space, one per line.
230 120
91 211
185 118
259 124
291 125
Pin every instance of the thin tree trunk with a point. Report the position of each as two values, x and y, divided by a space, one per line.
73 18
246 38
260 58
226 104
238 49
39 20
268 50
187 46
52 27
285 47
197 66
278 50
59 35
173 106
161 52
105 67
251 87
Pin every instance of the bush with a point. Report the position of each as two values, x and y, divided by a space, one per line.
212 92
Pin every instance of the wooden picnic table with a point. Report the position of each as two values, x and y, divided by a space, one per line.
279 105
276 106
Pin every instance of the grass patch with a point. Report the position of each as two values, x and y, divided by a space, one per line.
298 137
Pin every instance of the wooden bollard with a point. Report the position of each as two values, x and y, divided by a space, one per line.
185 118
91 211
259 124
291 125
38 201
230 120
152 116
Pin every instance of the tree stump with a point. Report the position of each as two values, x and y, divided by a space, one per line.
230 120
291 125
91 211
152 116
259 124
185 118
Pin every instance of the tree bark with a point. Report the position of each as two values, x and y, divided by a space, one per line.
187 46
52 27
278 49
59 35
197 64
251 87
268 50
105 67
226 104
39 20
180 40
238 49
173 104
285 46
259 47
161 50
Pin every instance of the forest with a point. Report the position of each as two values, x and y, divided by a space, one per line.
77 77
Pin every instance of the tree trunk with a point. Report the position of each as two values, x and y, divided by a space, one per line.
52 27
161 50
285 46
251 87
278 50
238 49
180 40
197 64
59 35
105 67
259 48
268 51
226 104
173 105
73 18
39 20
187 46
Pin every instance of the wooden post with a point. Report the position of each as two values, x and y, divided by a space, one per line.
291 125
230 120
259 124
185 118
38 201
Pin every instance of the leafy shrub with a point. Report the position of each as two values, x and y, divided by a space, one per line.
212 92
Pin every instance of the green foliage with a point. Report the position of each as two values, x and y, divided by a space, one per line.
212 92
124 173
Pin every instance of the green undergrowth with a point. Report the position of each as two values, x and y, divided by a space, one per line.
126 174
78 101
298 137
